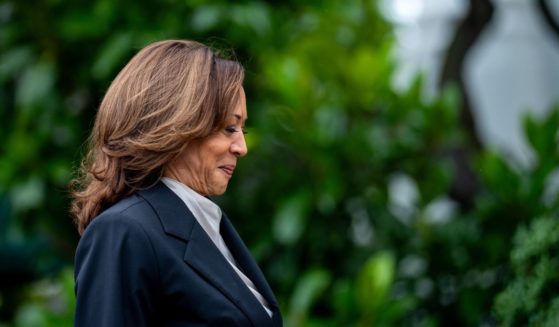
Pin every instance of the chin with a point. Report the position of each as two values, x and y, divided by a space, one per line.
218 191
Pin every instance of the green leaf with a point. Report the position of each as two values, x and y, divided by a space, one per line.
309 287
28 194
542 134
206 17
254 15
35 84
374 282
290 219
13 61
112 55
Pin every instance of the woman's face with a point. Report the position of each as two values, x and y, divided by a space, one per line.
207 165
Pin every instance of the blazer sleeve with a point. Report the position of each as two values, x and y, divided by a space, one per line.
116 274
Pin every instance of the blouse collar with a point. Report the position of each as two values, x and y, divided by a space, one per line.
207 213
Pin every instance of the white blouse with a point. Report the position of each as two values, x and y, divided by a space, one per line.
208 215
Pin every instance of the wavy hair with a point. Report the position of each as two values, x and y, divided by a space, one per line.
169 94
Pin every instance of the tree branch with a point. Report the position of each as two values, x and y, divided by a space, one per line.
543 5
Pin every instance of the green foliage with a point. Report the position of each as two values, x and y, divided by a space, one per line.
373 285
331 136
48 302
531 297
308 289
345 196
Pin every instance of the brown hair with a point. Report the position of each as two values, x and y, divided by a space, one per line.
170 93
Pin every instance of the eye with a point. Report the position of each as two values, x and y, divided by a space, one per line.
233 129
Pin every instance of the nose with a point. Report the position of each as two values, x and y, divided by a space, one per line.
239 146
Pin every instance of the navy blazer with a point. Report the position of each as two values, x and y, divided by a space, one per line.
146 261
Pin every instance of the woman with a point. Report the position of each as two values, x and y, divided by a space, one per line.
155 251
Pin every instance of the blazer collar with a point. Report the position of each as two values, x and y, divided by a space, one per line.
202 254
245 260
175 217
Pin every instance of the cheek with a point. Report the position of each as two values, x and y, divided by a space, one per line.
211 154
216 151
208 162
192 160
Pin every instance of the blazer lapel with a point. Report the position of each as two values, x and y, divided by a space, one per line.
246 261
201 253
204 256
175 217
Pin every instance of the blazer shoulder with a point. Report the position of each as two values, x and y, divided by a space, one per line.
124 226
123 206
117 271
132 211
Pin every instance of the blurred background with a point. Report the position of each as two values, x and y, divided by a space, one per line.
403 165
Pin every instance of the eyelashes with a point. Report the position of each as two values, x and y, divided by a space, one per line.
233 129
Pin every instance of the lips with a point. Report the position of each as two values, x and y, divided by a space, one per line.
227 169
